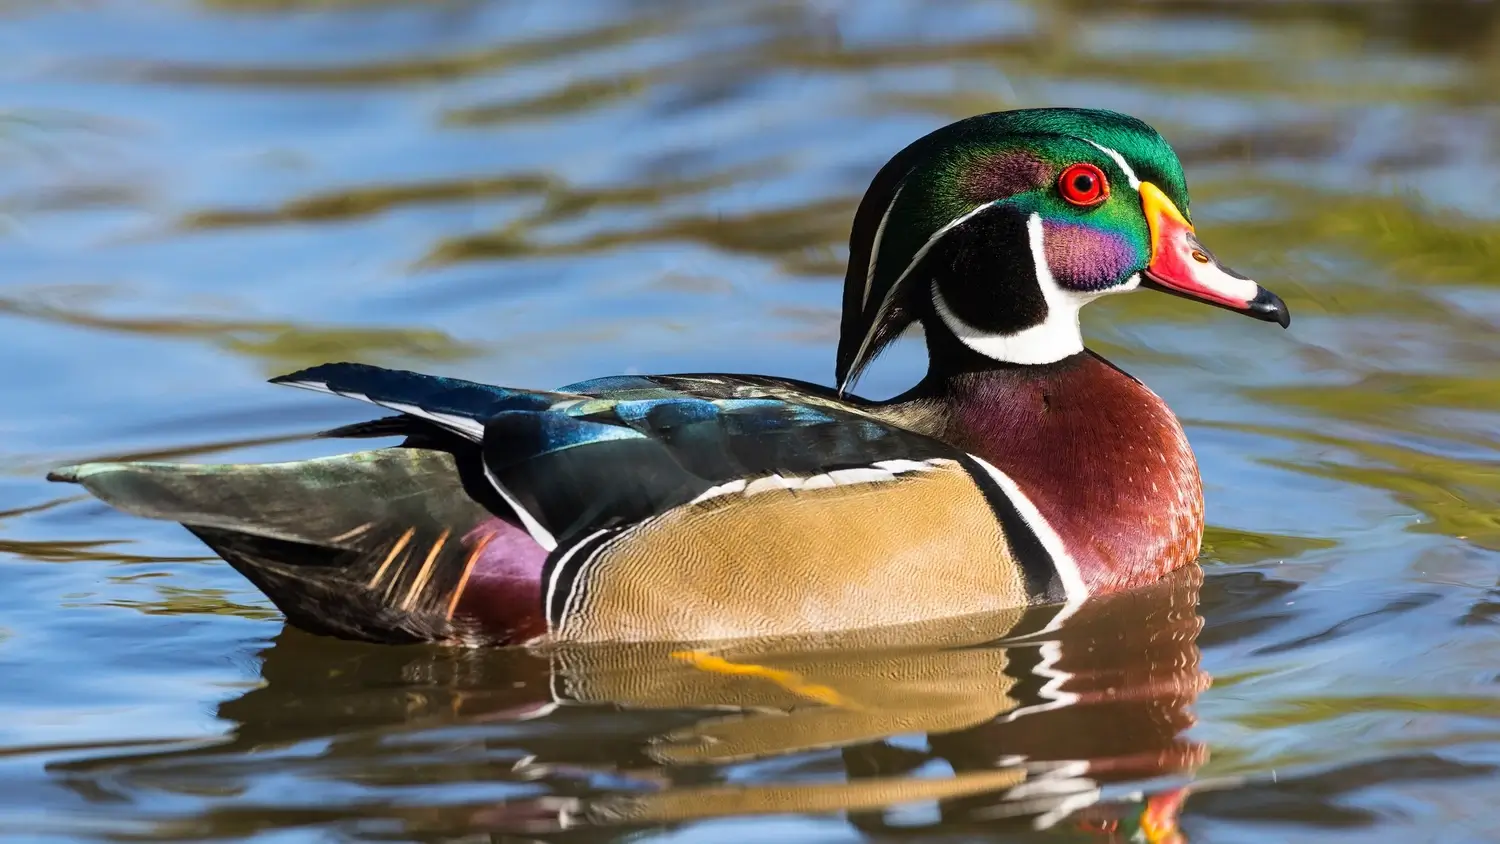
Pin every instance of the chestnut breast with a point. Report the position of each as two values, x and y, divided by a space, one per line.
1101 456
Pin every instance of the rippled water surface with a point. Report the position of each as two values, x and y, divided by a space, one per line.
195 196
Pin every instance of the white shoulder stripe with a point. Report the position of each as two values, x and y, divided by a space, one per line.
576 594
1124 165
560 568
1062 560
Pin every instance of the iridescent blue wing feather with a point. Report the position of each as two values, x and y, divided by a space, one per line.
615 451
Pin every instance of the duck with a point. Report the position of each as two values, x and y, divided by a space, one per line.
1023 469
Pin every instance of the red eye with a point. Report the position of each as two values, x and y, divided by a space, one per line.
1083 184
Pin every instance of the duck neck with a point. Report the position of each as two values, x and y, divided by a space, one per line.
1101 457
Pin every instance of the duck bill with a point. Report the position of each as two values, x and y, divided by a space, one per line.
1182 266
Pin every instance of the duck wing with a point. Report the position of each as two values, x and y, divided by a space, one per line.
616 451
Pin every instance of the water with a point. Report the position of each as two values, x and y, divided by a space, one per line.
196 196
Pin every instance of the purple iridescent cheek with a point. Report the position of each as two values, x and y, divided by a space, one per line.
1003 174
1088 259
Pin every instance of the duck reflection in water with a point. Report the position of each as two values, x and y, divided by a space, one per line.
1017 721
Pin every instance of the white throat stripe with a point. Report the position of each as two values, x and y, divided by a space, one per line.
1054 338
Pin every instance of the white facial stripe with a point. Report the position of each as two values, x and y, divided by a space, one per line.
890 295
1067 568
875 247
1056 337
1123 164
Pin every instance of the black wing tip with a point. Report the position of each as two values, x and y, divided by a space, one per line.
64 475
301 375
323 372
386 426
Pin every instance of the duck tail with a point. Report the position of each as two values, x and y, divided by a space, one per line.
374 545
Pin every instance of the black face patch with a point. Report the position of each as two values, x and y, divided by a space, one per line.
986 274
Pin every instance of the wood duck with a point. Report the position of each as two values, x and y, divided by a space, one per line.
1022 469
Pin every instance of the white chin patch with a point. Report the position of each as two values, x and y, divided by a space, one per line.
1054 338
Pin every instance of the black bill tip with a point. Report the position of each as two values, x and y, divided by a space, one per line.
1269 307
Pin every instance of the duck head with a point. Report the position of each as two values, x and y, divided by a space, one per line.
994 231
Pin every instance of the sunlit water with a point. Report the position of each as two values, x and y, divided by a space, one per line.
196 196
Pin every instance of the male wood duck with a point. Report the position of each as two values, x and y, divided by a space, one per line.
1022 469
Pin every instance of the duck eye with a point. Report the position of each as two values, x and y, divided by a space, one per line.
1083 185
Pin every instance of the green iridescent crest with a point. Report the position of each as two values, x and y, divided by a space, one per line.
1011 159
